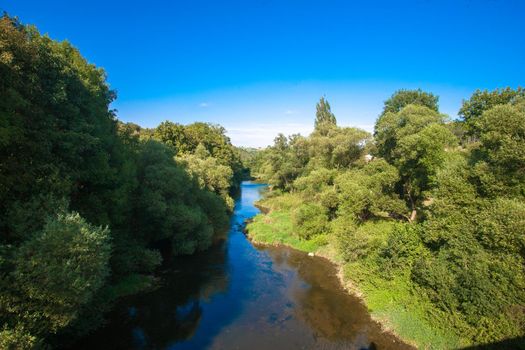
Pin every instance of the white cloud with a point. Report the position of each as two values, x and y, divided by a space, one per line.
289 112
204 104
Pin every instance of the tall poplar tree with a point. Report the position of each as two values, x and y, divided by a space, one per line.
324 118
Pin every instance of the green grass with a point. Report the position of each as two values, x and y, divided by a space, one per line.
400 309
277 227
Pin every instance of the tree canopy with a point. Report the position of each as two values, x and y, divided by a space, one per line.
402 98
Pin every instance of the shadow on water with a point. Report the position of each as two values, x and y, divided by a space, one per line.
237 296
169 314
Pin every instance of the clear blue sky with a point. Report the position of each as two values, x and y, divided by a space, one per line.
258 67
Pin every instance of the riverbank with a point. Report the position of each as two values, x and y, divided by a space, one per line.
391 303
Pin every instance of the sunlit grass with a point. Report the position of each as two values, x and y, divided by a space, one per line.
277 227
400 309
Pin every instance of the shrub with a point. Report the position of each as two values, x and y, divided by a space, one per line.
403 247
356 242
56 272
310 220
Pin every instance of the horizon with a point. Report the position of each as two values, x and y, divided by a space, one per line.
259 68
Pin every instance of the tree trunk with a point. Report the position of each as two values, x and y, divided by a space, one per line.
413 215
412 202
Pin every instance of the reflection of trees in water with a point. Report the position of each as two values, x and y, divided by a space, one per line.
160 327
169 313
319 300
325 307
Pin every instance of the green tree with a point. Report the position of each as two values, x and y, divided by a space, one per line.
186 140
57 272
170 204
311 220
402 98
62 150
281 166
209 173
339 148
414 140
501 151
369 192
174 136
482 101
324 118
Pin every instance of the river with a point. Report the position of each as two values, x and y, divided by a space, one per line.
239 296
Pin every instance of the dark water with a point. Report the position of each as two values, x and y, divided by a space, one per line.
237 296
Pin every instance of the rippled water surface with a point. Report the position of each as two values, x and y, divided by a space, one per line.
237 296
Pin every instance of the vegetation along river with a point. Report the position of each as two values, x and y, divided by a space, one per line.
239 296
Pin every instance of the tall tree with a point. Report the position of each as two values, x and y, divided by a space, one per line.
324 118
414 140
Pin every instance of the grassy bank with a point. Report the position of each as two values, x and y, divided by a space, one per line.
392 302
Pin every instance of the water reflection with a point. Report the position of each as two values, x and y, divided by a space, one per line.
335 318
170 313
236 296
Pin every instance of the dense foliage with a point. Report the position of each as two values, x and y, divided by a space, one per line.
429 211
87 204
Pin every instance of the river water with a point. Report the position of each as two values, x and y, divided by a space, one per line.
239 296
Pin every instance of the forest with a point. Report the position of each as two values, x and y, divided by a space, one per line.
426 216
90 206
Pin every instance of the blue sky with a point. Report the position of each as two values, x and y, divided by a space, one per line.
258 67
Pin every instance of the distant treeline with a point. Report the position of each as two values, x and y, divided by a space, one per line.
87 203
425 206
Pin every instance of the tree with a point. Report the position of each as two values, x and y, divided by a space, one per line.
174 136
209 173
281 165
311 219
414 141
324 118
482 101
369 192
58 271
338 148
501 153
402 98
62 151
169 203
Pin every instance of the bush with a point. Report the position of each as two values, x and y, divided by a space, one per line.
310 220
369 192
357 242
56 273
403 247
